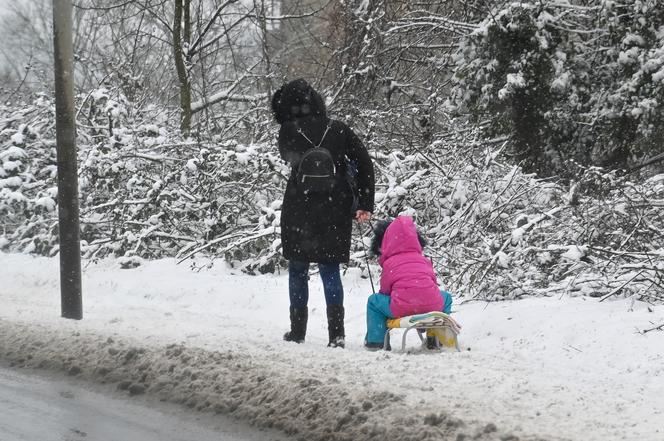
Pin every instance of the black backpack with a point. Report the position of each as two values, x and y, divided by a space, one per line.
316 172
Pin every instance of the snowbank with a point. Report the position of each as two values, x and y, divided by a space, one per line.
555 368
314 405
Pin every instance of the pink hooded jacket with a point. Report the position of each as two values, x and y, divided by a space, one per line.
408 277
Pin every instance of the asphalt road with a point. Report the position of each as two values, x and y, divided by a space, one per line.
39 407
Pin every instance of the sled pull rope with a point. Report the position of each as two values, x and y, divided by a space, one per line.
366 255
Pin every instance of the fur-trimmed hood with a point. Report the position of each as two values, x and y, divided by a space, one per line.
297 99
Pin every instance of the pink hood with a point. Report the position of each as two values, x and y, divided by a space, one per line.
408 276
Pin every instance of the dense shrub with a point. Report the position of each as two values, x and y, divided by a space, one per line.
144 191
494 231
568 81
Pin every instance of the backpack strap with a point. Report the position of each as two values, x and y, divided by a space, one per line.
299 130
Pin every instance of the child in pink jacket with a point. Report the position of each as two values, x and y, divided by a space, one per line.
408 283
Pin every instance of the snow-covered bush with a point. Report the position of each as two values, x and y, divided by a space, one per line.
567 81
504 69
494 231
144 191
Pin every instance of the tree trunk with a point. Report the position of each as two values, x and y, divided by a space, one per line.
262 20
180 65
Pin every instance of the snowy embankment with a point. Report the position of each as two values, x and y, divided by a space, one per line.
539 368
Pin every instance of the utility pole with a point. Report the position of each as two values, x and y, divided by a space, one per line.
65 124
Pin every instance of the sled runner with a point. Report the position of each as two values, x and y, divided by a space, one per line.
437 324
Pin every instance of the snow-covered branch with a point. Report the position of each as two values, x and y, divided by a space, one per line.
226 96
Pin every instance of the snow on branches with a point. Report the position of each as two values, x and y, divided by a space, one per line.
568 81
144 191
494 231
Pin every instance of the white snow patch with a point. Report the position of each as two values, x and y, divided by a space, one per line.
52 192
657 178
561 83
13 152
502 259
243 158
362 7
652 64
545 18
46 202
575 252
99 94
192 164
11 182
633 40
150 129
17 138
12 196
629 56
514 81
658 76
517 234
544 258
12 166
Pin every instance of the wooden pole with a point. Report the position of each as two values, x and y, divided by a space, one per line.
68 216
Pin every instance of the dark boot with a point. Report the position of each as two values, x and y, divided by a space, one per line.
373 346
335 326
377 346
431 341
298 324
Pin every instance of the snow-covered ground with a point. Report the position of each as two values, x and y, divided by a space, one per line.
551 368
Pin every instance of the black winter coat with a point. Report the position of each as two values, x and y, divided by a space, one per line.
315 227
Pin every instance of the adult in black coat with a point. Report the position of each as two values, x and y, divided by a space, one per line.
317 227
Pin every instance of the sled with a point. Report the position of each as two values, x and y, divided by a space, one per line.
442 326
